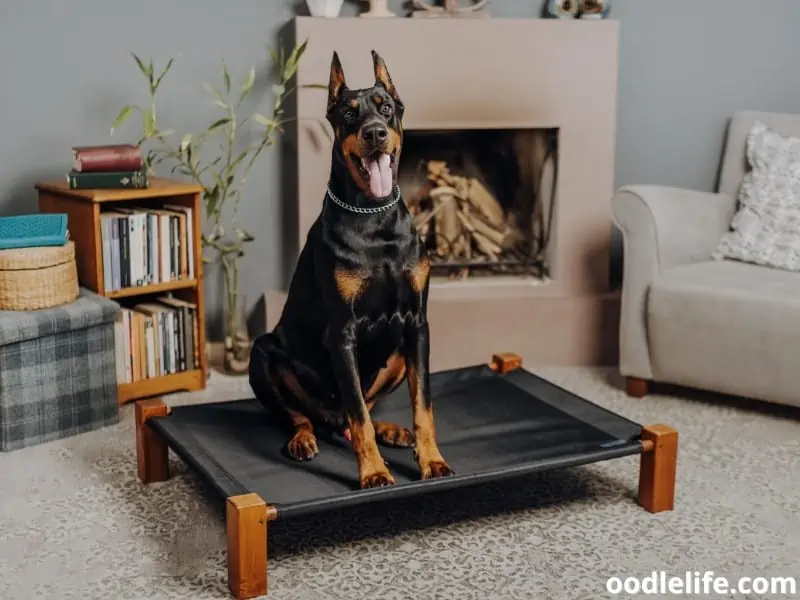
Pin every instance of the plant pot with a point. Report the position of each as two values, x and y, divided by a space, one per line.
324 8
237 343
237 354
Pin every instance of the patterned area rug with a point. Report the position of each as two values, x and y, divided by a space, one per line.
75 523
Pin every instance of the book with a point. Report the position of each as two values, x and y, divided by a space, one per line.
108 180
26 231
136 222
188 327
189 234
159 348
111 157
156 338
125 348
106 237
182 245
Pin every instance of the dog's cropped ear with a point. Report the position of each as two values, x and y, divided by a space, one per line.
336 83
382 77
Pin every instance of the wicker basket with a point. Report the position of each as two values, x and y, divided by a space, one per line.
35 278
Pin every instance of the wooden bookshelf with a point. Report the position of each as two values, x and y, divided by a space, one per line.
85 208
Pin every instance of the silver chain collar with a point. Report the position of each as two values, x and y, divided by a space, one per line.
369 210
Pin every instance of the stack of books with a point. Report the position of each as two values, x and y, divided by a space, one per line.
156 338
147 246
112 167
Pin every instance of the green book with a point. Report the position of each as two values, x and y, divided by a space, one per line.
109 180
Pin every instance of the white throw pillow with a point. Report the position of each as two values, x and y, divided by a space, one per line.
766 227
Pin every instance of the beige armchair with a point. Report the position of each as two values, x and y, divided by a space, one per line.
689 320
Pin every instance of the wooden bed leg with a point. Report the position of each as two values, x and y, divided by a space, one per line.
636 387
152 453
658 467
246 518
504 362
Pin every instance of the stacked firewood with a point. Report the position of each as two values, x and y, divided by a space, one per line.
463 221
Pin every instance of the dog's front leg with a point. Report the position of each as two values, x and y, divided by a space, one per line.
372 470
417 354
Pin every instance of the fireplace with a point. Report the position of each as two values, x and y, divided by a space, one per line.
482 199
507 164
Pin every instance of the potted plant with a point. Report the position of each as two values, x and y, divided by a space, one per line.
220 169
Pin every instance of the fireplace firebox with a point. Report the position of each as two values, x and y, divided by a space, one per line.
482 199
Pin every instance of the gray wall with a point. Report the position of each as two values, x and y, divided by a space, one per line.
685 66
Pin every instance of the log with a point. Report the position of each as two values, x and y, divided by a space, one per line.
498 237
486 246
446 227
437 169
465 221
462 185
461 245
486 203
442 190
425 216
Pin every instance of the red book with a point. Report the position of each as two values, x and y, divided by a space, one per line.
116 157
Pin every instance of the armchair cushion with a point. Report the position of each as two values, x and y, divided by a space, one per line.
729 326
766 227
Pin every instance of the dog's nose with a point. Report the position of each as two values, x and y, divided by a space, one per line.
375 133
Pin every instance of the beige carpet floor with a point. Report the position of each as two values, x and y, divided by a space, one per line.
76 524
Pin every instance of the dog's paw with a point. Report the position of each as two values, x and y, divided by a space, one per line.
303 446
393 435
436 468
379 479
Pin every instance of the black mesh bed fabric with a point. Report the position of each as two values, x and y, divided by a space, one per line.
489 427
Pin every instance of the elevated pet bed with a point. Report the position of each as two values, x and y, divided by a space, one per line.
493 422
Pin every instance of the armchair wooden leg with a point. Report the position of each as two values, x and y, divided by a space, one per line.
637 388
246 518
658 467
152 453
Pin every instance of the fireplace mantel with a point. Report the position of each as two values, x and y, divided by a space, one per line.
483 74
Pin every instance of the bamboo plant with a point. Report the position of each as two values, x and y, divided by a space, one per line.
218 159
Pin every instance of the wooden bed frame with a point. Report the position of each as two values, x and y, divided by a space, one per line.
248 515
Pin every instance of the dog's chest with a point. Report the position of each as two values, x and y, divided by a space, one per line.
386 308
388 298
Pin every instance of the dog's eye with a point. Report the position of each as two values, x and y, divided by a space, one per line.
386 110
349 114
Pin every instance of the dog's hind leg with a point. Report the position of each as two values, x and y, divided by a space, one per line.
303 444
266 348
276 387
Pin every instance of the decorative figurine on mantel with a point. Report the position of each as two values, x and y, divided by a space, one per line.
594 9
562 9
450 8
582 9
377 9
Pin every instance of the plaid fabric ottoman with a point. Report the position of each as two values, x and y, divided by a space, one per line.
57 371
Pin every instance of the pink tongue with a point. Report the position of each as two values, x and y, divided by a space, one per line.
380 176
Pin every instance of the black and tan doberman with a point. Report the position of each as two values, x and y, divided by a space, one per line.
354 325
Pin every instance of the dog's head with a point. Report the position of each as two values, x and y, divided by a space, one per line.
367 126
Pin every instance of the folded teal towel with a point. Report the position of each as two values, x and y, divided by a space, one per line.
28 231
